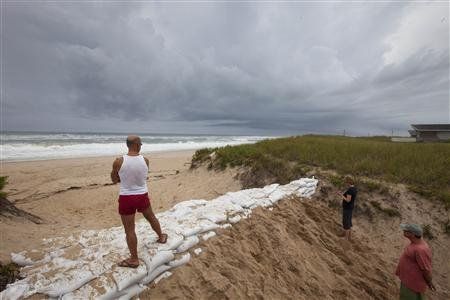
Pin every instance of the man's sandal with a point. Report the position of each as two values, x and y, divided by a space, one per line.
163 239
126 264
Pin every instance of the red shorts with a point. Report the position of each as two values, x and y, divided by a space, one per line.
128 204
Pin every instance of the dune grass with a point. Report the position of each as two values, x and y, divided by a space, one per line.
3 181
423 167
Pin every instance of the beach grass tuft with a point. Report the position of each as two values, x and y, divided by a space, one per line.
8 274
3 181
423 167
446 226
427 233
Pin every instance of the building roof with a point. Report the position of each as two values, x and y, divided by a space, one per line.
431 127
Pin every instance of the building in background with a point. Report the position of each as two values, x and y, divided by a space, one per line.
430 132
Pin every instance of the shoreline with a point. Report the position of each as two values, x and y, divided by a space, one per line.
164 152
75 194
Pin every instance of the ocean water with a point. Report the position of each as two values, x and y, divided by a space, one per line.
23 146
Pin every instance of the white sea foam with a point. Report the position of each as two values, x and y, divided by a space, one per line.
21 147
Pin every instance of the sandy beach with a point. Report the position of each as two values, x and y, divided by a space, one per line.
292 249
71 195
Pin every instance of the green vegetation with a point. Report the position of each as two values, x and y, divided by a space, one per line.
202 155
427 231
424 167
447 227
372 186
2 185
337 181
8 274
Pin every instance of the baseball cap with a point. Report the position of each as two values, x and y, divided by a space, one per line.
413 228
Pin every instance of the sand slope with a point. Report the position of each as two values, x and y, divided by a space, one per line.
292 252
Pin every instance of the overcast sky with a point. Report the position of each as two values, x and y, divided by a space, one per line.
225 68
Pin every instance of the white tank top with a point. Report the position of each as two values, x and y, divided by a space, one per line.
133 175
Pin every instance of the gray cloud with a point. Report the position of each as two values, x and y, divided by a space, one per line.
225 67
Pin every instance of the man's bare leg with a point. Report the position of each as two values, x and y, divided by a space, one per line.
151 218
128 225
348 234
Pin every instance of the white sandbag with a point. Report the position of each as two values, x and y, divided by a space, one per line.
208 226
149 278
217 210
216 216
179 262
276 196
242 198
189 203
191 231
133 290
197 251
100 288
20 259
208 235
112 294
125 277
162 276
67 284
188 243
174 240
184 208
234 219
257 193
225 203
157 260
268 189
15 291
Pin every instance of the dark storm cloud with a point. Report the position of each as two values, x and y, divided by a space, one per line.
218 67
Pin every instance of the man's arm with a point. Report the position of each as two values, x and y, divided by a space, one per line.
115 170
428 279
423 259
148 165
346 197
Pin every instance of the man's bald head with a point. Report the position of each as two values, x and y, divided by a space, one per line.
133 140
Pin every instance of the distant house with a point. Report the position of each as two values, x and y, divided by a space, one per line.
430 132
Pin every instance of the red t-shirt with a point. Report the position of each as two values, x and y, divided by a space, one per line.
415 259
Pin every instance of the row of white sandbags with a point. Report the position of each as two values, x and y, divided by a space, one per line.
85 265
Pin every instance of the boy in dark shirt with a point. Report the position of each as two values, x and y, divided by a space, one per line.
348 203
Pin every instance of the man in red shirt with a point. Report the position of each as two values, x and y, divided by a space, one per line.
414 266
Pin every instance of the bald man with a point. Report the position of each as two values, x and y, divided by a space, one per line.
131 171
